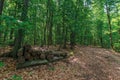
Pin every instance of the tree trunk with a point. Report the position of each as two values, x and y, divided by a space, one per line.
1 10
58 34
1 6
12 30
64 36
109 23
11 34
118 16
64 28
45 31
49 21
20 33
35 30
72 39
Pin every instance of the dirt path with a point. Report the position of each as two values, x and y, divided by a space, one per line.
88 63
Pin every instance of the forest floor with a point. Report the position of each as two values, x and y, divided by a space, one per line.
87 63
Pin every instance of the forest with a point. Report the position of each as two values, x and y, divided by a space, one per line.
46 39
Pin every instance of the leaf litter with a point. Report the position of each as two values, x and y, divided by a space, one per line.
86 63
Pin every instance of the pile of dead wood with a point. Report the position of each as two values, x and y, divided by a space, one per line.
30 56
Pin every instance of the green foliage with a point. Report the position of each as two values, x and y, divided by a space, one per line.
87 19
16 77
2 64
117 47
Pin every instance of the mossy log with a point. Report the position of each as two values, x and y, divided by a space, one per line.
37 62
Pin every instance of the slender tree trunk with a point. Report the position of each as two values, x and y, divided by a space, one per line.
59 29
1 10
45 31
118 16
85 37
12 30
47 25
49 22
11 34
50 29
109 23
5 35
99 32
58 34
64 28
1 6
73 33
72 39
64 35
101 37
101 41
35 30
20 33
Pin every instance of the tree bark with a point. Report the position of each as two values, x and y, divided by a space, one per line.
1 6
49 22
20 33
72 39
64 28
15 14
35 29
1 10
109 23
37 62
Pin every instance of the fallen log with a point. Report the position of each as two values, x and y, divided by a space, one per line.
31 63
7 54
28 56
49 57
21 59
59 53
42 56
37 62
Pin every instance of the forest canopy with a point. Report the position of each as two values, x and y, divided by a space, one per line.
60 22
